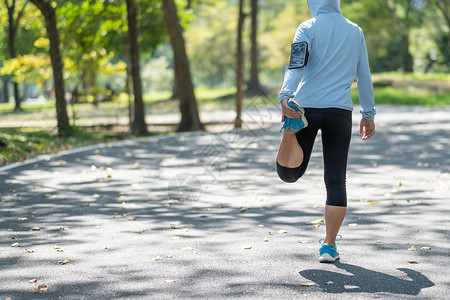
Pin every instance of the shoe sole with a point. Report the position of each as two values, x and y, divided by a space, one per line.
327 258
305 122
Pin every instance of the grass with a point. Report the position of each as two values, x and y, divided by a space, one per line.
20 144
399 96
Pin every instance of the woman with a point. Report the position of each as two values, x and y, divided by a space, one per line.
328 53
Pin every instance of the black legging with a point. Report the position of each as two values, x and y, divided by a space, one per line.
336 127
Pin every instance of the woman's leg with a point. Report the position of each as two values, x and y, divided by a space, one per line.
290 154
334 216
336 135
295 150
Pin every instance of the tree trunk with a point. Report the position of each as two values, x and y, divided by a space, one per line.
48 11
407 57
139 126
12 31
253 85
239 67
128 80
190 120
175 92
5 89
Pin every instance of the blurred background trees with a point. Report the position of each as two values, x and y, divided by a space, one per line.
407 36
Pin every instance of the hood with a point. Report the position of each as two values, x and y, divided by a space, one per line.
324 6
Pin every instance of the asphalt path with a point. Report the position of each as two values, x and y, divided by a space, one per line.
204 216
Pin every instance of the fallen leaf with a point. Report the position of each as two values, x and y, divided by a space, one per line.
400 184
308 284
58 248
157 258
33 280
271 233
329 282
16 245
248 247
282 231
41 288
169 281
318 221
413 262
372 203
35 229
425 248
109 176
316 226
187 248
266 239
63 262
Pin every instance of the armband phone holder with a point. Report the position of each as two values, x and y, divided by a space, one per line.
299 55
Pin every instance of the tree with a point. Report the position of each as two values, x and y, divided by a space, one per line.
139 127
239 67
442 39
253 85
444 7
13 24
48 11
190 120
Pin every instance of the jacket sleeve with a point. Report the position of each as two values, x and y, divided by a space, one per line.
292 77
365 85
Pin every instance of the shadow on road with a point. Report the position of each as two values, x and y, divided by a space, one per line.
367 281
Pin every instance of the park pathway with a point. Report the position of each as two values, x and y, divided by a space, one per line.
204 216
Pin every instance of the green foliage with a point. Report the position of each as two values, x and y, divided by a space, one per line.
386 23
211 43
32 69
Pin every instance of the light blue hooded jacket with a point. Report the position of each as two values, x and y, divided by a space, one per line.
337 54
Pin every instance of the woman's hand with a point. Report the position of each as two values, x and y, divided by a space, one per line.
367 128
287 111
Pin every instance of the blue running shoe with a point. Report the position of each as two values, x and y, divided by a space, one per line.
295 125
328 252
